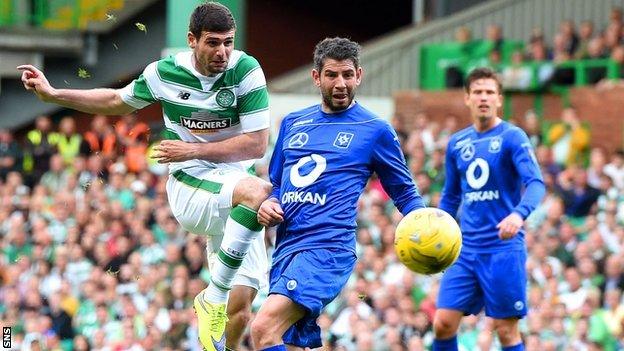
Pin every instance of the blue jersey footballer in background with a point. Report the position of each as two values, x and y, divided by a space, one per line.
322 160
493 176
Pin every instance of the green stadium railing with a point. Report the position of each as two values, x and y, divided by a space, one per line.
436 59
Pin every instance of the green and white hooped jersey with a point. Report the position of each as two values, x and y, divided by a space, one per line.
197 108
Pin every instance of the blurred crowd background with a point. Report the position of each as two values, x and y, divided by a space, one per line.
92 258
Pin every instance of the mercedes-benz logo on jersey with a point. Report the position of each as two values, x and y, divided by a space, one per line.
301 181
467 152
471 173
298 140
495 145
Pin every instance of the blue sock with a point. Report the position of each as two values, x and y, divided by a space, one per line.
280 347
449 344
519 347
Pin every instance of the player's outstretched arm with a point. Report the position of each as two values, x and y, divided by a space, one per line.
270 213
97 101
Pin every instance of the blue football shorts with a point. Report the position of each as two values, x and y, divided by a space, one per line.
312 279
496 281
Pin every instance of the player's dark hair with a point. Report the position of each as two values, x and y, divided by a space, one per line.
211 17
338 49
483 73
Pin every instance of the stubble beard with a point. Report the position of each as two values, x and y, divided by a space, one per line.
328 101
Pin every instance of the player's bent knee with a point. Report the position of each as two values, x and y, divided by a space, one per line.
251 192
507 331
444 327
260 329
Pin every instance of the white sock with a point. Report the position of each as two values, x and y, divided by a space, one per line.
241 229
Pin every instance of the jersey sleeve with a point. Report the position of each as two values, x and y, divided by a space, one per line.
276 164
451 192
389 164
138 93
527 167
253 96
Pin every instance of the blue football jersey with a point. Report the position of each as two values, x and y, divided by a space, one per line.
319 168
491 175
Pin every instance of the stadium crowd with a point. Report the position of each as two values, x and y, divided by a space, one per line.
92 258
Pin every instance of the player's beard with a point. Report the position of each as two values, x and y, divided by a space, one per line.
328 100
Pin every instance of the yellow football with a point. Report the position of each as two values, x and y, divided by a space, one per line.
428 240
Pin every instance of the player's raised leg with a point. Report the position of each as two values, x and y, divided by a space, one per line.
241 229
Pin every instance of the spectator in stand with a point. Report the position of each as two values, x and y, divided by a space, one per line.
597 162
561 54
612 36
595 49
68 141
101 138
570 39
494 34
463 35
614 274
133 135
586 31
449 127
537 49
533 128
61 320
517 76
578 196
569 138
539 52
615 169
55 178
615 16
10 154
39 147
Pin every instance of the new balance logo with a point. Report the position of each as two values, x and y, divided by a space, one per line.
184 95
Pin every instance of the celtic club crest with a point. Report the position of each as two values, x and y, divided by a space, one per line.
225 98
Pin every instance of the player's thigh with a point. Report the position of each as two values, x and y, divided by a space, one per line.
312 278
194 205
503 279
199 197
459 287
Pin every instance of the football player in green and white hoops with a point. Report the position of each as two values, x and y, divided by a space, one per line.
215 107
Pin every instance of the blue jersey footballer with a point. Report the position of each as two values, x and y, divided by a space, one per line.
493 182
322 160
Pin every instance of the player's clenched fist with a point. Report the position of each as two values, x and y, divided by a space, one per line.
34 80
270 213
509 226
